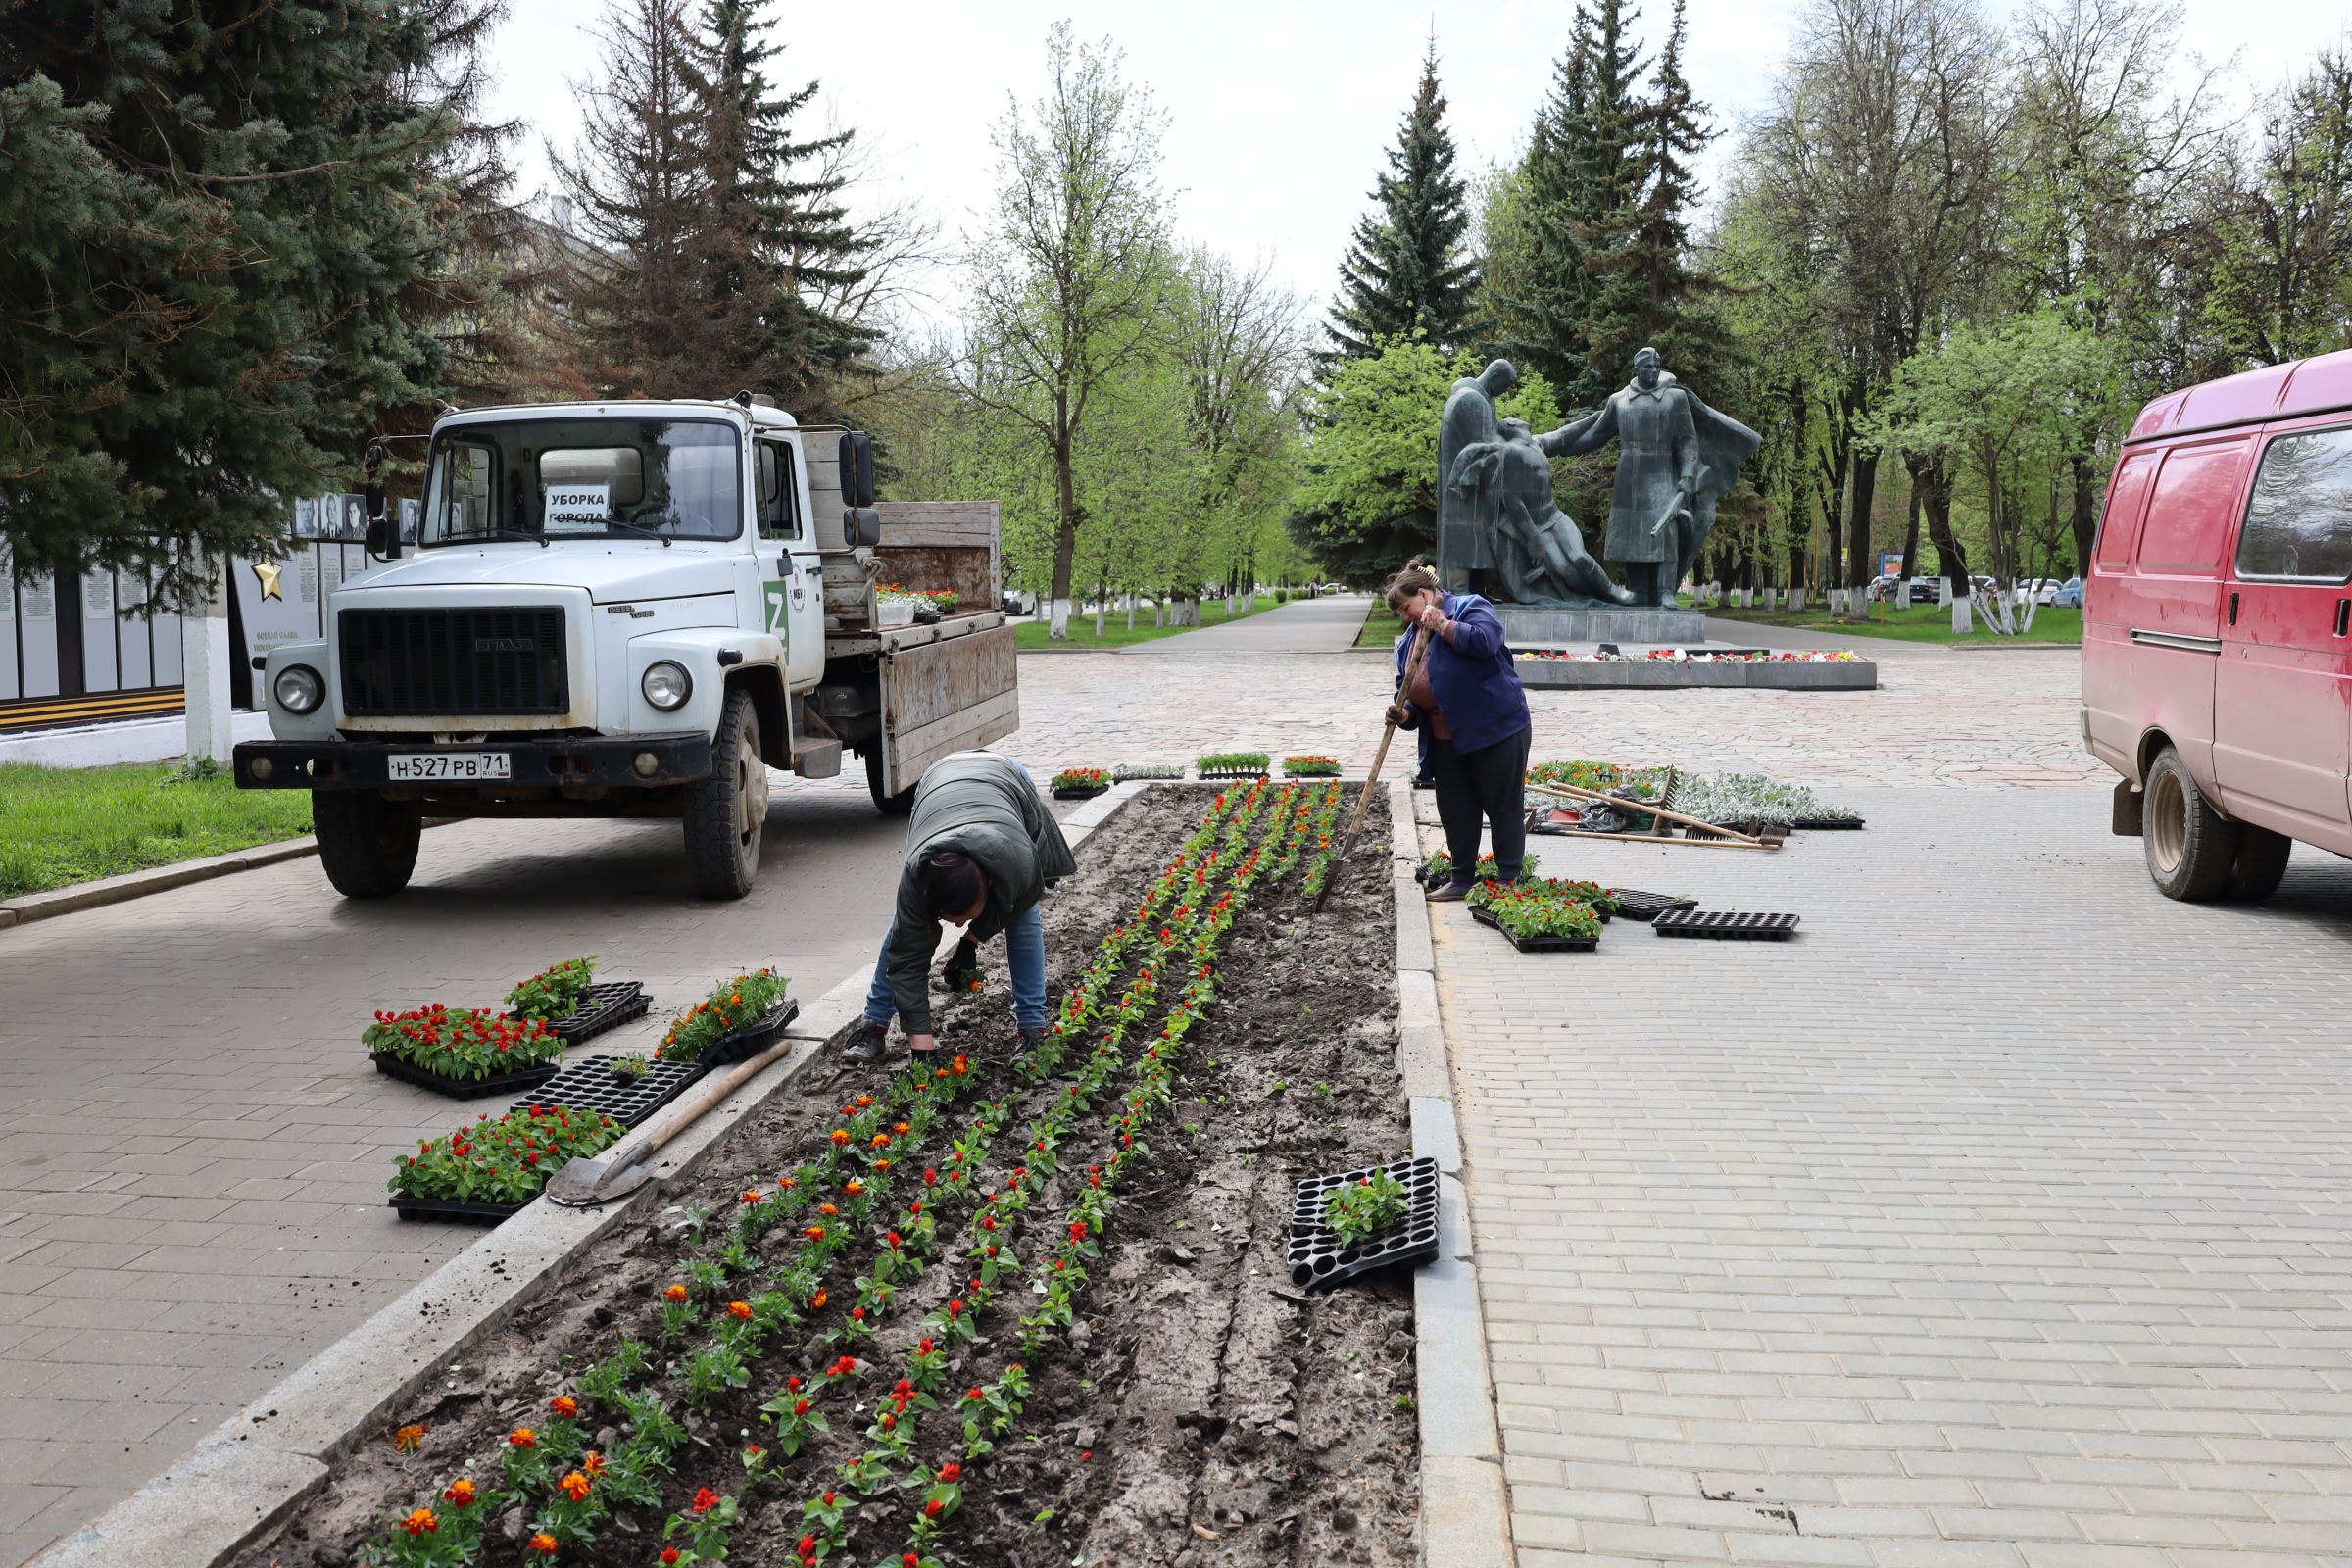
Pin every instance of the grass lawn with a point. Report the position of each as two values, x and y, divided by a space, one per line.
1381 628
74 824
1031 634
1923 625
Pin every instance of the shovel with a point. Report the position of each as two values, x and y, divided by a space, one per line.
585 1183
1364 802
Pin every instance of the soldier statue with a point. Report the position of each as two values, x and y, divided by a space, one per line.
1677 456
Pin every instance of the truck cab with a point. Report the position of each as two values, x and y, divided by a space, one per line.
621 608
2216 628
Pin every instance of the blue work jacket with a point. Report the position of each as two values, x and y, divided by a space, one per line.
1472 677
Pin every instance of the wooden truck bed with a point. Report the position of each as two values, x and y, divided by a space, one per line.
945 688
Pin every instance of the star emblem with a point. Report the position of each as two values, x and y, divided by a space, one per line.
269 572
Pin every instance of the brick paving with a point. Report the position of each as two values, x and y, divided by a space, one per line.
191 1177
2002 1219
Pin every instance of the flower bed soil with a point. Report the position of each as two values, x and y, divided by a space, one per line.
1201 1409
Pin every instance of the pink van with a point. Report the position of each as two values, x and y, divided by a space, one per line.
2216 628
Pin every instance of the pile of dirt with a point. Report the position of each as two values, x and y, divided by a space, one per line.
1203 1410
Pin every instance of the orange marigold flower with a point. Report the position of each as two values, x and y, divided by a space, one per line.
903 1129
596 1464
460 1493
408 1440
574 1486
841 1135
827 1208
742 1309
816 1233
881 1140
881 1165
677 1293
854 1186
864 1100
752 1198
545 1544
818 1302
565 1405
421 1523
523 1437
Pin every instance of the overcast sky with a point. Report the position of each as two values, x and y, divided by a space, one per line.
1278 109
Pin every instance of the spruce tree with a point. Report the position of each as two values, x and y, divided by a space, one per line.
689 183
1584 182
1646 292
772 230
1404 271
213 211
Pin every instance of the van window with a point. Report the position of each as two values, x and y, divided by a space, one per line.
2126 495
2191 509
2299 519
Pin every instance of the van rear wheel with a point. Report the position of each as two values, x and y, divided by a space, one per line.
2259 865
2189 846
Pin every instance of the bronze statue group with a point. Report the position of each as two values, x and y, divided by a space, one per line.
1500 533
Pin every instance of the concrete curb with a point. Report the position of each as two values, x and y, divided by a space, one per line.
1465 1505
27 908
256 1467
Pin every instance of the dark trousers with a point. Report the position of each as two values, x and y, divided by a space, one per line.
1489 783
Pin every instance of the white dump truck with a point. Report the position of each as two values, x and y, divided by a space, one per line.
635 608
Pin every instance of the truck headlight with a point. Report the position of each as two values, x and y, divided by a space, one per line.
666 685
299 689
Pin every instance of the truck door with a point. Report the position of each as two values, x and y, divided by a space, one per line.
790 584
2282 690
2170 601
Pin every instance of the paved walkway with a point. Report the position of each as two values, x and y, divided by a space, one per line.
1327 625
193 1152
2002 1219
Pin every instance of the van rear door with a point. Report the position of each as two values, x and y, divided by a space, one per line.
2169 603
2282 692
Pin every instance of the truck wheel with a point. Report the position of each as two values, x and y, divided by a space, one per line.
2189 846
897 804
2261 863
368 846
726 811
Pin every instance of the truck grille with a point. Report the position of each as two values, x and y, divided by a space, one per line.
503 659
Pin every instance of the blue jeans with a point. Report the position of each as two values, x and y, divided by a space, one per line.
1024 954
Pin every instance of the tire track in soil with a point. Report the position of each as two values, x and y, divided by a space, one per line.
1225 1425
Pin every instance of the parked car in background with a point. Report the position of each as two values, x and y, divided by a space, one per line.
2068 595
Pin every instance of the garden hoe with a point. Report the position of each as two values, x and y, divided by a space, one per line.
1379 758
585 1183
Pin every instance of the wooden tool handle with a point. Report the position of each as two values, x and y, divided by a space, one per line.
684 1113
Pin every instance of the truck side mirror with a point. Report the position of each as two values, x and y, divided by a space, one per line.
861 526
856 468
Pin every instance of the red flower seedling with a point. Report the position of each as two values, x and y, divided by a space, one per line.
565 1405
421 1523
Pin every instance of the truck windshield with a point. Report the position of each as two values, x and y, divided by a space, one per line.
584 478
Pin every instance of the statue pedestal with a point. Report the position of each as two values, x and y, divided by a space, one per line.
1535 625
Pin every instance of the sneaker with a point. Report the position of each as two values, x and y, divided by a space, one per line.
1451 893
870 1043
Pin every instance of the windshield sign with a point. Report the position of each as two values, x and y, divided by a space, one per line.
585 478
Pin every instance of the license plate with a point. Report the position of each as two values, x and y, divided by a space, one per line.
405 765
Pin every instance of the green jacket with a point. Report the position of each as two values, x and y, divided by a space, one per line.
984 806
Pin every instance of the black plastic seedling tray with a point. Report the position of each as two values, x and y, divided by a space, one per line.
504 1083
1211 775
1820 825
452 1212
1538 944
608 1006
1725 926
752 1038
1080 792
589 1086
1319 1262
1635 905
